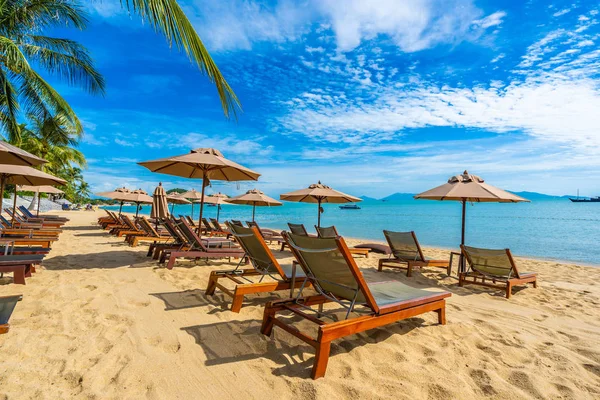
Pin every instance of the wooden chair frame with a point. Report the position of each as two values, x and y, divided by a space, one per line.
241 277
205 252
327 332
410 265
507 283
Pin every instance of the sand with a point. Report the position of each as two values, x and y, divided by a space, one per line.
100 320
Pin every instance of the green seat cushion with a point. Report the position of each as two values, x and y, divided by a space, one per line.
391 292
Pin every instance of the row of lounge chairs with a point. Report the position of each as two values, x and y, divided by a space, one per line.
324 264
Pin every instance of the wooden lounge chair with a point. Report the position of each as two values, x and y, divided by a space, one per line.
151 235
199 250
329 232
237 222
268 234
7 306
330 268
20 265
129 228
28 214
43 224
498 267
407 254
210 229
218 228
27 231
265 265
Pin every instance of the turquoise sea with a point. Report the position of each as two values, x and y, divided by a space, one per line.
549 229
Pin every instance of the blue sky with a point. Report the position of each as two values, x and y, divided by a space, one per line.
369 97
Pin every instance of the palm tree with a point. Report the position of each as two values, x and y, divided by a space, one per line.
22 44
168 17
83 191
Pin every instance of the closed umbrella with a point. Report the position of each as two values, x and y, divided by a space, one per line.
160 208
319 193
23 175
38 190
254 198
469 188
175 198
119 194
202 163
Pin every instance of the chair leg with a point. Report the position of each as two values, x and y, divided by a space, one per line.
535 284
508 290
267 324
461 279
409 270
321 359
442 315
238 300
449 270
19 276
212 284
171 262
380 265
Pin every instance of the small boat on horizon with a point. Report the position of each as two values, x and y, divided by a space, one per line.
590 200
349 207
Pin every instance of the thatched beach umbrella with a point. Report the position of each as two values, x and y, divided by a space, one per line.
138 197
11 155
175 198
119 194
254 198
37 190
469 188
160 208
203 163
319 193
22 175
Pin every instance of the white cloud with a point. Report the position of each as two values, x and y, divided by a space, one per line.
561 12
491 20
124 143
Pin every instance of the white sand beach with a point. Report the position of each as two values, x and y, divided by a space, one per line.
99 320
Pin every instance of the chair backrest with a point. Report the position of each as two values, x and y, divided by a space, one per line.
173 231
192 238
6 223
327 232
207 225
257 251
26 212
7 305
404 245
216 225
148 227
252 224
331 268
298 229
129 222
237 222
491 262
13 214
190 221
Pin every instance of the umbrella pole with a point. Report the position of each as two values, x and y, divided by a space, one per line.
192 209
461 266
2 182
253 210
172 208
12 223
319 214
120 207
218 211
201 202
137 209
38 210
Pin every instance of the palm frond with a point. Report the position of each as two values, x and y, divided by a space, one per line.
11 56
9 108
42 100
26 15
167 17
66 58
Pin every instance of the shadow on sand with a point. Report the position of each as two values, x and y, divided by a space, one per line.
108 259
230 342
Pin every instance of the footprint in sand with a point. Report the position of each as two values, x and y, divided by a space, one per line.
483 381
522 380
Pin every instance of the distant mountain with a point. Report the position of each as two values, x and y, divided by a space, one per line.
398 197
367 198
537 196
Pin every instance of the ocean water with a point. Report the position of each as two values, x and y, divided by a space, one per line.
549 229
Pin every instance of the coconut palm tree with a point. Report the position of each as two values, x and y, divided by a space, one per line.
83 191
167 17
23 45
